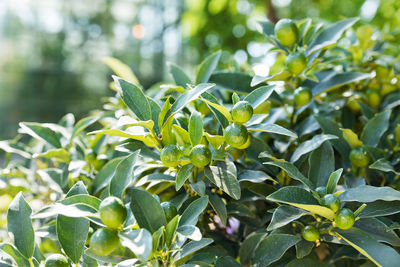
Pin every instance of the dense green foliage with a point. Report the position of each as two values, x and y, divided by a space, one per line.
299 167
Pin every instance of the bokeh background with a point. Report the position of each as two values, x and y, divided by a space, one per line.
51 50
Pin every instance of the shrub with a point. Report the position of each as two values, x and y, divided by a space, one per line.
305 170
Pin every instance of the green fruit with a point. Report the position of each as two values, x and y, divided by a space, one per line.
344 219
353 103
242 112
170 210
112 212
374 98
296 63
310 233
397 134
286 32
235 135
235 152
170 155
302 96
359 157
56 260
331 201
200 156
321 190
104 241
248 142
202 107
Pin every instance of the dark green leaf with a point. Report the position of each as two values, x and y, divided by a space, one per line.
380 208
184 173
139 241
219 207
207 67
193 246
220 117
259 95
225 177
15 254
46 132
337 80
333 180
383 165
284 215
232 81
303 248
191 214
375 128
105 175
322 164
378 230
367 193
226 261
271 128
293 172
249 246
123 175
180 77
254 176
170 231
310 145
82 125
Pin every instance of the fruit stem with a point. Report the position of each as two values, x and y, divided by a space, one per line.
360 209
31 262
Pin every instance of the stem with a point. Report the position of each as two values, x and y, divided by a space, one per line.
360 209
31 262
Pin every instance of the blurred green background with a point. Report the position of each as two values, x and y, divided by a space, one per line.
51 50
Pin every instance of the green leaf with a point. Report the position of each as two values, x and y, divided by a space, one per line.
378 230
15 254
180 77
330 127
367 193
271 128
303 248
121 69
226 261
232 81
170 231
378 253
116 132
186 98
19 225
82 125
190 231
380 208
163 113
195 128
292 171
272 248
337 80
225 177
351 138
280 76
310 145
333 180
139 241
193 211
284 215
259 95
134 98
223 110
254 176
207 67
155 113
249 246
220 116
8 147
192 247
46 132
219 207
375 128
214 140
146 209
105 175
184 173
383 165
300 198
123 175
322 164
330 35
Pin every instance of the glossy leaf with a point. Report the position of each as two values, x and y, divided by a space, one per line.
123 175
338 80
180 77
207 67
333 180
191 214
383 165
310 145
82 125
45 132
225 177
271 128
219 207
322 164
351 138
293 172
375 128
195 128
367 193
105 175
259 95
184 173
232 81
121 69
223 110
284 215
170 231
139 241
15 254
249 246
192 247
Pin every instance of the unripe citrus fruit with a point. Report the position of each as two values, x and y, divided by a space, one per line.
56 260
200 156
374 98
248 142
235 135
112 212
296 63
352 103
170 155
286 32
310 233
242 111
359 157
344 219
104 241
170 210
331 201
302 96
397 134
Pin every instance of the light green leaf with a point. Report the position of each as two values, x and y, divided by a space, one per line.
214 140
284 215
280 76
191 214
170 231
123 175
46 132
220 117
207 67
322 164
333 180
121 69
11 148
338 80
195 128
375 128
163 113
310 145
82 125
128 121
180 77
271 128
293 172
367 193
15 254
139 241
58 153
351 138
223 110
259 95
184 173
225 177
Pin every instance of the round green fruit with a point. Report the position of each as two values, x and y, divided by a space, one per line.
248 142
170 155
359 157
302 96
374 98
286 32
242 112
170 210
104 241
344 219
296 63
310 233
56 260
235 135
200 156
331 201
112 212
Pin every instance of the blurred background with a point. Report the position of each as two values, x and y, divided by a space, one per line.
51 50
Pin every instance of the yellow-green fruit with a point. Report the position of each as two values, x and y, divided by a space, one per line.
235 135
112 212
353 105
302 96
248 142
331 201
286 32
56 260
310 233
397 134
242 112
170 155
200 156
344 219
104 241
374 98
296 63
359 157
202 107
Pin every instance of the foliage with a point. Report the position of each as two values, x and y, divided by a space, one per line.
276 182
